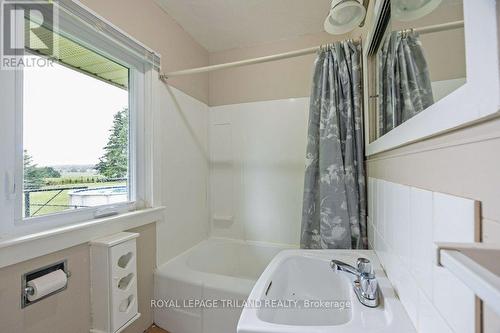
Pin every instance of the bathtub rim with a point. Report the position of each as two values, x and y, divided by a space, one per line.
180 270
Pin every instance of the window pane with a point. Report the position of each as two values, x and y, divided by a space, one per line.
75 134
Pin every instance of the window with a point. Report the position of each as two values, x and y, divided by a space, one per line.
74 123
75 134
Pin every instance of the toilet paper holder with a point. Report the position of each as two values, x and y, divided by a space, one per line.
28 290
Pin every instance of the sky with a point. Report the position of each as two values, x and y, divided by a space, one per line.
67 115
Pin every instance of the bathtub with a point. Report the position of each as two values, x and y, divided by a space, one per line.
215 269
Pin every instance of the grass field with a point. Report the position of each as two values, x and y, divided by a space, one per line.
39 198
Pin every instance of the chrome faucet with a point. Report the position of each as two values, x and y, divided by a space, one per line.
365 285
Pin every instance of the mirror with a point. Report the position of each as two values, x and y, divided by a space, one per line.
419 59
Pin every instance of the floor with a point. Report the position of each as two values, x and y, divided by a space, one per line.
155 329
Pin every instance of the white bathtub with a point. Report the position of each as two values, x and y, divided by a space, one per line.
215 269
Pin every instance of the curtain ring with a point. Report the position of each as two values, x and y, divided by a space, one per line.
407 32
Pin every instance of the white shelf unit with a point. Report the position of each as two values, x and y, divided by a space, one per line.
477 265
113 282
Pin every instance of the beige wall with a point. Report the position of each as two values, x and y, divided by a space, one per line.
460 162
146 264
69 311
444 51
273 80
152 26
148 23
464 163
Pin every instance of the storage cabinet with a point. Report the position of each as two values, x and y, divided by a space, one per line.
113 282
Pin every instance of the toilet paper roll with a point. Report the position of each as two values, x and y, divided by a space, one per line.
47 284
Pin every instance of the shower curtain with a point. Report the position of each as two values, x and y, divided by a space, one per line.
334 205
404 81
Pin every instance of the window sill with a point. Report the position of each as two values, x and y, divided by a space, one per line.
22 248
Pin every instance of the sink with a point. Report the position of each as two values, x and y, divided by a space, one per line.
292 281
299 292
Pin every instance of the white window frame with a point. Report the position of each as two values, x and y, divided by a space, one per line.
478 99
140 108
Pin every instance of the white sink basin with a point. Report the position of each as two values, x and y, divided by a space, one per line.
299 292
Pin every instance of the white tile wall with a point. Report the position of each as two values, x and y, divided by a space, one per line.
429 319
491 231
406 222
183 135
453 221
400 222
421 243
453 213
257 173
492 324
379 208
491 234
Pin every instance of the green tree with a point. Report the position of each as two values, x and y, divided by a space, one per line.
33 176
50 172
114 162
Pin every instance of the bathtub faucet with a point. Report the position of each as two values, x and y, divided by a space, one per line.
365 285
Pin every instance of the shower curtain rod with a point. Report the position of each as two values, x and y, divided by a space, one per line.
292 54
439 27
245 62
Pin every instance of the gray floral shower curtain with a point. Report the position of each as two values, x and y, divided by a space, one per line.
334 206
404 82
